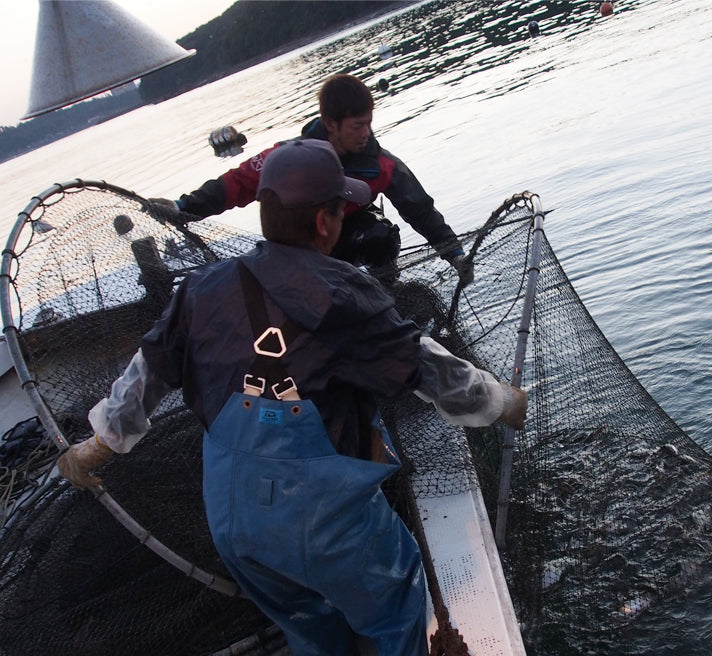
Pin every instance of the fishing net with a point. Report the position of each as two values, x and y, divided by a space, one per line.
607 509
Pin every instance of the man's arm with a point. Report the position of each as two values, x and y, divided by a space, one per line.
208 200
235 188
417 208
465 395
395 358
122 419
119 422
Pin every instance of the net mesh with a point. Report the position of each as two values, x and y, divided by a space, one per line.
609 519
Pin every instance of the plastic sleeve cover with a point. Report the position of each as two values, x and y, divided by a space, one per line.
461 393
122 419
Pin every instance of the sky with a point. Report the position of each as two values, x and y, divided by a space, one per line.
18 24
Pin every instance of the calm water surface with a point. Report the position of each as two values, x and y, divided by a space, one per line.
605 118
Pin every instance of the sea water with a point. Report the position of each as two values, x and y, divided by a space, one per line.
604 117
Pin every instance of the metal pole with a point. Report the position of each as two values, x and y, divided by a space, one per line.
505 477
9 328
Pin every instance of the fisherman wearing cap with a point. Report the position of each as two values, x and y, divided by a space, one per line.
281 354
346 111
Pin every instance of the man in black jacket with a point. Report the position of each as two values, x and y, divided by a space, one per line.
346 111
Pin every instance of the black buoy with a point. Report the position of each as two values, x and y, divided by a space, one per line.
227 141
123 224
533 28
383 84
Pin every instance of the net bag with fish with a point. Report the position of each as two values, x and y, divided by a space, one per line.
592 545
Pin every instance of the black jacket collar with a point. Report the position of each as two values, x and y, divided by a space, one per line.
361 165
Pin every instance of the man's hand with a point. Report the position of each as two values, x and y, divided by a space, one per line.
464 269
515 406
80 459
164 210
461 263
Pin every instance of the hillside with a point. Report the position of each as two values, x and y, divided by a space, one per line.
247 32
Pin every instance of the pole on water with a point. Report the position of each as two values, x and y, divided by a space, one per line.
505 477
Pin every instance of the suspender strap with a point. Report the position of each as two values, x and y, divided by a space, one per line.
270 342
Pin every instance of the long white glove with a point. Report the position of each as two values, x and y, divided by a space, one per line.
122 419
77 463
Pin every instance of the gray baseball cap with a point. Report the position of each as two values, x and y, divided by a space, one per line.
308 172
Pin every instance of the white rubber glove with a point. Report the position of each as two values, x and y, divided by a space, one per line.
80 459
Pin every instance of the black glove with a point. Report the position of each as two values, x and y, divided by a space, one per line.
165 211
463 265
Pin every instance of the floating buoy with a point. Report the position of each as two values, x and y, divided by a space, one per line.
383 84
227 141
123 224
606 9
384 51
41 226
533 28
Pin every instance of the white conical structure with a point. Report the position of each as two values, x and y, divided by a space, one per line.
85 47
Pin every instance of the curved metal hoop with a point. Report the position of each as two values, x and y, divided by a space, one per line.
43 411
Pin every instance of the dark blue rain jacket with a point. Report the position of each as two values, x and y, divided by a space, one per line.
353 347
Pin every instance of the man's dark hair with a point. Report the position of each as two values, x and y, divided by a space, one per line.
291 226
343 96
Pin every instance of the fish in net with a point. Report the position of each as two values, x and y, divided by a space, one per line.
608 522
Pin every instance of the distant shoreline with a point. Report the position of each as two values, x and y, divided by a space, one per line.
42 130
295 44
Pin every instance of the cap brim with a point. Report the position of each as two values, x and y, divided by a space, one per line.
356 191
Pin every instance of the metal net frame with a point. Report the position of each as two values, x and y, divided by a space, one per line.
605 528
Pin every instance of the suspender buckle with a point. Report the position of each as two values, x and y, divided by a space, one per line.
270 343
254 385
286 390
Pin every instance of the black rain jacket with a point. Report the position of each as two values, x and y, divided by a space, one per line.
352 347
